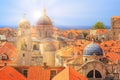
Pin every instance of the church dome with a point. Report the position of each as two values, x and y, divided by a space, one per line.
92 48
44 19
24 21
49 47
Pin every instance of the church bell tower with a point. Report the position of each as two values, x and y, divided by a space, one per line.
23 43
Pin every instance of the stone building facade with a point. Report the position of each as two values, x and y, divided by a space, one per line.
36 44
115 28
96 66
92 63
24 42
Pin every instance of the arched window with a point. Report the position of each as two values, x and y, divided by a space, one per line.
3 57
94 74
35 47
90 74
23 54
23 45
114 33
97 74
85 59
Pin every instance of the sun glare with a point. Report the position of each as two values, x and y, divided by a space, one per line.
37 15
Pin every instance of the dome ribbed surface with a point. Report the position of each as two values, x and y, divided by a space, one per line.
92 48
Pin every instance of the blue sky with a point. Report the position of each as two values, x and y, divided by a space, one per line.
62 12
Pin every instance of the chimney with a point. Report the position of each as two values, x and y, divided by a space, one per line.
5 64
45 65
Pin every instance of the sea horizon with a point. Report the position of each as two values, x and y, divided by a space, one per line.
62 27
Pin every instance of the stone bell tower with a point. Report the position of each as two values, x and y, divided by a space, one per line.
23 43
115 28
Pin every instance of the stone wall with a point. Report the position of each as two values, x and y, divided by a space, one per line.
115 28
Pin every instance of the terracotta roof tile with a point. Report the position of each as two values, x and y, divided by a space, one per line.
8 49
102 31
9 73
38 73
113 56
69 74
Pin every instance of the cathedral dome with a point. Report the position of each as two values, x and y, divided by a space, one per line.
44 19
49 47
24 21
92 48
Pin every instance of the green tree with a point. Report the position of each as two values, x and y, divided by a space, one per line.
99 25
